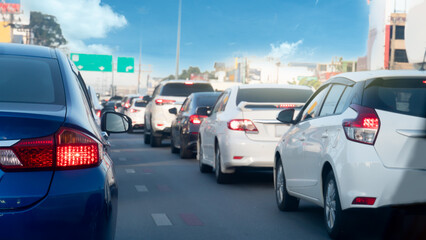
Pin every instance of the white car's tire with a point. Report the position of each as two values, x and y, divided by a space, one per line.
285 202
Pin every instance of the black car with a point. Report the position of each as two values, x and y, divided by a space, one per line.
184 132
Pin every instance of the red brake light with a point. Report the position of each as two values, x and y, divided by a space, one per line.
68 149
286 105
189 83
133 110
74 149
242 125
196 119
364 128
98 113
364 201
160 101
127 105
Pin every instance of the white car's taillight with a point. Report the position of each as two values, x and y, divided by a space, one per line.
365 127
242 125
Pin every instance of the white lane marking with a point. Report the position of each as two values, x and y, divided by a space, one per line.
141 188
122 158
130 170
161 219
117 151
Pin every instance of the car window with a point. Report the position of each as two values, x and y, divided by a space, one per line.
184 90
140 103
185 105
278 95
332 99
30 80
312 109
344 100
219 102
405 96
205 101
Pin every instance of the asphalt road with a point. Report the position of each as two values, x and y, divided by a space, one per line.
164 197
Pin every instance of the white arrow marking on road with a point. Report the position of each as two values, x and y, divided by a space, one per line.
161 219
130 170
141 188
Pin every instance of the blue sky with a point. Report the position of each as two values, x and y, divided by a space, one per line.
218 30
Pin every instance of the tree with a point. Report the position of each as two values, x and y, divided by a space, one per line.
47 32
315 83
186 74
170 77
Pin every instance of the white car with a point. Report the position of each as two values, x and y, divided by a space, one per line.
242 130
167 95
136 112
359 142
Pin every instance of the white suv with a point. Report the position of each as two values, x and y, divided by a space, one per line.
359 142
168 94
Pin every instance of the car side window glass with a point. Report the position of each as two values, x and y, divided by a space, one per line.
332 100
313 107
185 105
224 102
218 103
344 101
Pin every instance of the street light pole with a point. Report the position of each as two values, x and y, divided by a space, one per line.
140 66
178 40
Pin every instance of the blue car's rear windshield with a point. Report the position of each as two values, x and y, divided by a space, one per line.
30 80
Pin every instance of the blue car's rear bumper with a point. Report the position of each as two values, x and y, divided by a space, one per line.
81 204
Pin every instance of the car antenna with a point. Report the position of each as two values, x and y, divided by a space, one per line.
423 63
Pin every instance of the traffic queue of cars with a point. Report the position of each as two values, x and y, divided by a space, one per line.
358 142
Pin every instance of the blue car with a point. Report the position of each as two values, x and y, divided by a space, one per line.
56 177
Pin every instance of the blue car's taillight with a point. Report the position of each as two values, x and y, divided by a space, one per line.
67 149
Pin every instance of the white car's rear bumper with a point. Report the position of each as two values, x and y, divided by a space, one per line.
253 153
362 176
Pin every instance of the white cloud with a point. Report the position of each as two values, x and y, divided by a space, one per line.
284 50
81 20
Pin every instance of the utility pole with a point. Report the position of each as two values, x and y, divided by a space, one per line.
178 40
112 78
140 66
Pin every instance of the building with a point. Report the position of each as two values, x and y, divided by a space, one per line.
386 48
14 23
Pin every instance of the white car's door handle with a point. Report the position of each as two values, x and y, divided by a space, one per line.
324 135
302 139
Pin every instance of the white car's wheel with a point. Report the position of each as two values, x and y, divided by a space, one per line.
285 202
221 177
203 167
333 214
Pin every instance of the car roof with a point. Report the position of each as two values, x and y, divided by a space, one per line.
201 94
183 81
251 86
362 76
26 50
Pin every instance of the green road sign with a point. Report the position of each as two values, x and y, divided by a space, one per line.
125 65
92 62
